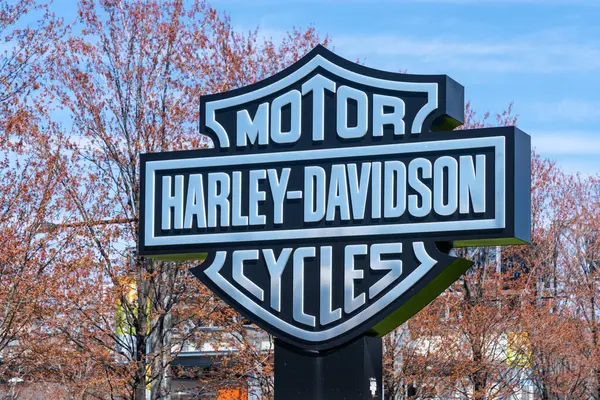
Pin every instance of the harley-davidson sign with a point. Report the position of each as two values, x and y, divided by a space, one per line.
333 196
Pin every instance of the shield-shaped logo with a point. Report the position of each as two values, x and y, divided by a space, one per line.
333 196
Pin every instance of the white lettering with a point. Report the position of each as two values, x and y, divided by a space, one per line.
344 94
327 315
377 264
359 189
414 208
256 196
175 202
275 268
294 99
298 287
278 191
237 219
380 118
317 85
472 183
352 303
394 200
218 197
249 130
314 194
338 194
195 203
449 164
376 191
237 272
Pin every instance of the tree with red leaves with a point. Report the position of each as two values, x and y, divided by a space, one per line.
28 189
129 78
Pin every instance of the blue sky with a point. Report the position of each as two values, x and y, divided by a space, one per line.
543 55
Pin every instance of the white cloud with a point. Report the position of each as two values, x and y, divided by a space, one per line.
442 54
583 167
545 52
568 110
567 143
574 151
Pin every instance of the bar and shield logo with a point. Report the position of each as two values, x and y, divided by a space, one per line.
333 196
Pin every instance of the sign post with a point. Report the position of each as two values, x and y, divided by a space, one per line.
328 208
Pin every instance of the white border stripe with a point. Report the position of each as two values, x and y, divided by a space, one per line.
498 222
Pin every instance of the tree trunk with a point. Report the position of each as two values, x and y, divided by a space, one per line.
140 375
479 376
161 340
142 267
594 329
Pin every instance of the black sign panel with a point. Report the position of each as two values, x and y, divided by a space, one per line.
333 195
